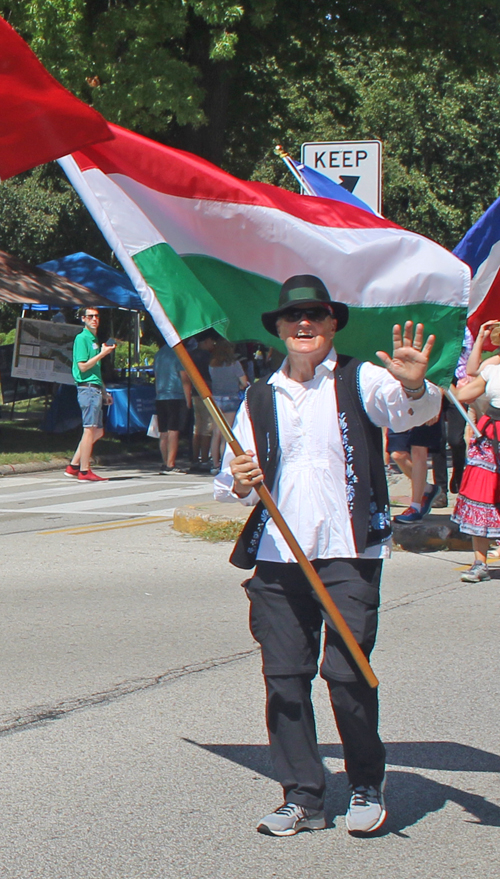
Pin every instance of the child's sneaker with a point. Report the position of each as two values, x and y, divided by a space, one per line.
477 572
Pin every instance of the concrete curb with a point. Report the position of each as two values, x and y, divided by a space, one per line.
430 535
33 466
435 532
196 520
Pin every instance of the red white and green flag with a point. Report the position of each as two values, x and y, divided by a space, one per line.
205 249
40 120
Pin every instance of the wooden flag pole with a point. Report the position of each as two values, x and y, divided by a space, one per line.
451 397
266 498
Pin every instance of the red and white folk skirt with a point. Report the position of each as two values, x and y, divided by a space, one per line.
477 509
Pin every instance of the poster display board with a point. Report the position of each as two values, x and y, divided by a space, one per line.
44 351
12 388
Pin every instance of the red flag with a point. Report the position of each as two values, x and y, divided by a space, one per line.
39 119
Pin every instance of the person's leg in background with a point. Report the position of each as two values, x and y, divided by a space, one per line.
440 462
403 460
202 435
90 401
418 475
456 440
81 458
398 448
171 419
169 445
422 439
218 443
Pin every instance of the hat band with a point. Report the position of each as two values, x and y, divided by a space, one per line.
305 293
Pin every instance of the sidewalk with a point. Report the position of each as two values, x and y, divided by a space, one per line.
435 532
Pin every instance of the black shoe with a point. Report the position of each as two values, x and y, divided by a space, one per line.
456 478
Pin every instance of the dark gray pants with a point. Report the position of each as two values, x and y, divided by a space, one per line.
452 432
286 618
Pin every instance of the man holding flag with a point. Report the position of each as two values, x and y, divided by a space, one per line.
312 434
207 250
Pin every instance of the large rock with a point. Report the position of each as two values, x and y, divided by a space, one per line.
433 533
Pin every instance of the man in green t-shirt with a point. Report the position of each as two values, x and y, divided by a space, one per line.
87 356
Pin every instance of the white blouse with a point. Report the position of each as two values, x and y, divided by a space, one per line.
491 375
310 484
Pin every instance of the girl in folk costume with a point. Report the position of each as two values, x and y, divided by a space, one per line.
477 508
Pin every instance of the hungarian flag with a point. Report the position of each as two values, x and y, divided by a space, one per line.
204 248
480 249
39 119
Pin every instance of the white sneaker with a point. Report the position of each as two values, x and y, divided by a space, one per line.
478 571
290 819
366 811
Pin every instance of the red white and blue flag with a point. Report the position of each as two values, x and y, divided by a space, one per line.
480 249
321 186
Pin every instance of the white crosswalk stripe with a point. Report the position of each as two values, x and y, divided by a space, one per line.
99 498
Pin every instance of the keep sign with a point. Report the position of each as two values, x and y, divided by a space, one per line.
356 165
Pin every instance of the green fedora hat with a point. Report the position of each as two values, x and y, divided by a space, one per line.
304 290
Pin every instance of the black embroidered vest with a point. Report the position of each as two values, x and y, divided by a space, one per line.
366 485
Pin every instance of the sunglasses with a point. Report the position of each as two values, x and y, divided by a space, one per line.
92 316
293 315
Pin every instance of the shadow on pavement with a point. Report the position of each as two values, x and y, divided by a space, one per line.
411 796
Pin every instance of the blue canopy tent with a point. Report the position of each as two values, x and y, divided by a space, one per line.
96 275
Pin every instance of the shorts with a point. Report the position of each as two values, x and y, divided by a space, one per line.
427 435
202 420
286 617
90 402
171 415
230 403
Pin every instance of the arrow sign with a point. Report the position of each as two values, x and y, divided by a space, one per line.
349 183
355 165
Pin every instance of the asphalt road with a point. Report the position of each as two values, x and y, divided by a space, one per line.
132 731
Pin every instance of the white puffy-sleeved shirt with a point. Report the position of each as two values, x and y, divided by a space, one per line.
491 375
310 486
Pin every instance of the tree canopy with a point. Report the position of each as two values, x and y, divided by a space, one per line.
228 80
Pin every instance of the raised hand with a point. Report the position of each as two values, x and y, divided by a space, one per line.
485 330
410 357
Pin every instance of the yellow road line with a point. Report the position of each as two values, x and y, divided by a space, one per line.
106 526
466 567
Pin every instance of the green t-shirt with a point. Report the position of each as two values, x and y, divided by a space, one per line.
86 346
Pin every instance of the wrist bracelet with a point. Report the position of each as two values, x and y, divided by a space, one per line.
413 391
